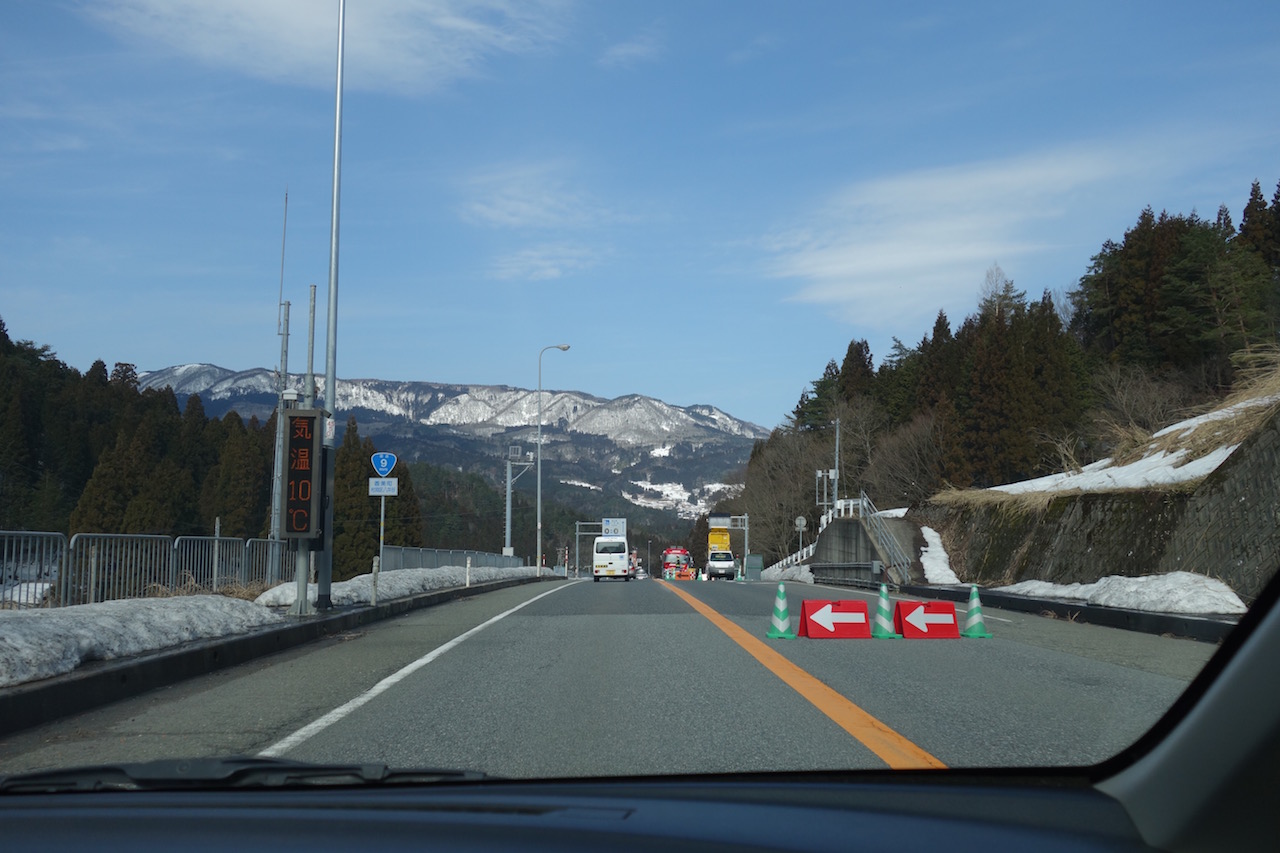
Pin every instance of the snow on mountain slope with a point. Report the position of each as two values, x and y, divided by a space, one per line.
682 454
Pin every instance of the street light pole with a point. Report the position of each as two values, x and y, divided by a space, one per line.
562 348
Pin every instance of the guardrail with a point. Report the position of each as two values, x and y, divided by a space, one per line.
868 575
400 557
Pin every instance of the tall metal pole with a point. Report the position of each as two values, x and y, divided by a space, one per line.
562 348
277 476
835 487
506 542
325 568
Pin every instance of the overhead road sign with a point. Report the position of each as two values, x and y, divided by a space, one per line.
926 620
835 620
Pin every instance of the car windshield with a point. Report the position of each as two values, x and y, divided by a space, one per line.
986 450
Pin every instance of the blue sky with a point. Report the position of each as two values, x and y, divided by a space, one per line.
707 200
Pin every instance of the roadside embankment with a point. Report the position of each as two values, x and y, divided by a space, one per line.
1224 525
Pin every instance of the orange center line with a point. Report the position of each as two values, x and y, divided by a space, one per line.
892 748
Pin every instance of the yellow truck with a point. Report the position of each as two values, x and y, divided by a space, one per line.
720 561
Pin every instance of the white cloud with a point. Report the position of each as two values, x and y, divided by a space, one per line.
530 195
645 47
546 262
924 232
397 45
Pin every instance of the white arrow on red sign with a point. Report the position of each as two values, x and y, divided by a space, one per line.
827 618
922 620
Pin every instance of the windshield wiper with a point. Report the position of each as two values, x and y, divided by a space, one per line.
219 773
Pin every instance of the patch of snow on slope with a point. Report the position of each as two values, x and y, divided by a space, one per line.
937 566
1175 592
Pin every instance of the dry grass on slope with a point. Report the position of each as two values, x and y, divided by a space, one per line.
1253 401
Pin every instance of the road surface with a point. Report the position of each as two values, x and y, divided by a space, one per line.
574 678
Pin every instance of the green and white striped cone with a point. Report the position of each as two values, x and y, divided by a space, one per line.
780 629
882 627
974 627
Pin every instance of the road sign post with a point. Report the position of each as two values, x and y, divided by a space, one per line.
382 485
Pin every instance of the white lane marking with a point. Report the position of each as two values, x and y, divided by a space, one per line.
315 727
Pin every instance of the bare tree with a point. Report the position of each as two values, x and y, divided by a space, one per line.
906 467
779 487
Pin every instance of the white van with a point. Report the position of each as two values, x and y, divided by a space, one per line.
611 558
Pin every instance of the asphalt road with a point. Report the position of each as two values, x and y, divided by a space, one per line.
621 678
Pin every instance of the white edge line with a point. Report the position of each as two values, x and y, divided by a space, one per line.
316 726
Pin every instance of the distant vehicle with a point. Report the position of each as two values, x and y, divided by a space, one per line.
718 533
677 564
610 558
720 564
719 553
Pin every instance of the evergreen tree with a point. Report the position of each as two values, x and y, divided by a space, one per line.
857 374
898 381
817 407
355 524
231 497
1257 230
404 524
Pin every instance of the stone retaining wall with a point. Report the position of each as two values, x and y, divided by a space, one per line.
1227 527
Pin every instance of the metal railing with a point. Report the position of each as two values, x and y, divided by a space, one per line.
899 564
29 567
209 562
45 570
269 561
400 557
104 566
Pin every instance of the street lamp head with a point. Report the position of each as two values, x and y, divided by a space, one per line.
562 347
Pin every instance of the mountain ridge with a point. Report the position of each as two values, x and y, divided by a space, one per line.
652 454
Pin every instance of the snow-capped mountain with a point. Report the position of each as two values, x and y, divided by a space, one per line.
647 452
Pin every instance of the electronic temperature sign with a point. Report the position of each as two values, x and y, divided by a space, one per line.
304 477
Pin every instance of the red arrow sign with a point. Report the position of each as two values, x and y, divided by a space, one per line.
926 620
827 620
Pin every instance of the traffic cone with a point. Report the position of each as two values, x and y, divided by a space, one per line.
781 627
974 627
882 627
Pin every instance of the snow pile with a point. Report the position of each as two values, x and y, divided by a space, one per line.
37 644
25 594
937 566
1176 592
400 583
776 574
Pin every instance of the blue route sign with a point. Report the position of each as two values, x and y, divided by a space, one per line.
383 463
